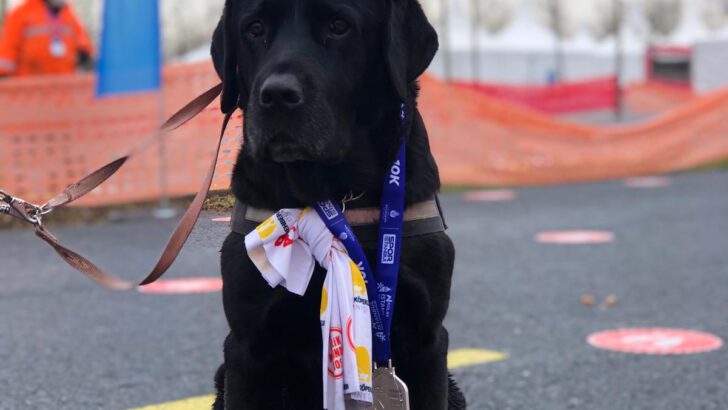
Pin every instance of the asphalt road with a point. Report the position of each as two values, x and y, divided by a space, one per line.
67 345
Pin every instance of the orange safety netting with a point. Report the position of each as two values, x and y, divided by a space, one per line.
53 131
654 97
484 141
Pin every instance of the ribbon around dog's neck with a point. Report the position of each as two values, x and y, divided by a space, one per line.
285 248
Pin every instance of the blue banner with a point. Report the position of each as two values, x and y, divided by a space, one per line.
130 59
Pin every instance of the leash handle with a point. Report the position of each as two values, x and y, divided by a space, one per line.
32 214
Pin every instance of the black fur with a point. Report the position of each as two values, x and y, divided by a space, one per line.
340 140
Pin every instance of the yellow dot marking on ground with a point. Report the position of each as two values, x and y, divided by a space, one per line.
472 357
195 403
456 359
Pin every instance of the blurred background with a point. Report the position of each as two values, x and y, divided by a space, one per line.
564 67
583 148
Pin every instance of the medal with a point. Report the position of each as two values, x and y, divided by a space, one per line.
390 392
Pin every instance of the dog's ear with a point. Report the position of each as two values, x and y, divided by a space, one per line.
411 43
225 58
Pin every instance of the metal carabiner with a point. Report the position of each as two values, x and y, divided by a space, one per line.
21 209
5 197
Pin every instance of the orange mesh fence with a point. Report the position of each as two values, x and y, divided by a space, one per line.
589 95
653 97
53 131
561 98
482 140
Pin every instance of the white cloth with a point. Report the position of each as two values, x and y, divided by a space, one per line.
285 248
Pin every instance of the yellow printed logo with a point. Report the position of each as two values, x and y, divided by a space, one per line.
267 228
357 280
304 213
324 300
364 363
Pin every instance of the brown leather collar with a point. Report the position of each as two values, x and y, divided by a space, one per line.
419 219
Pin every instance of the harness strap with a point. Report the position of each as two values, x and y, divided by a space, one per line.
33 214
422 218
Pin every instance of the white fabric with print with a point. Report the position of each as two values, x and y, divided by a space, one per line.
285 248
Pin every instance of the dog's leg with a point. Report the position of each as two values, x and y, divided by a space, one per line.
305 383
424 369
220 388
250 383
455 397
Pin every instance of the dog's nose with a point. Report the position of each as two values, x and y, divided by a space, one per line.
281 91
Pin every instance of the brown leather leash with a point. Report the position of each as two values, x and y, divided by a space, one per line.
33 214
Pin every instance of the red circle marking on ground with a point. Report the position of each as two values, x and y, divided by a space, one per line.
656 341
647 182
491 196
183 286
575 237
221 219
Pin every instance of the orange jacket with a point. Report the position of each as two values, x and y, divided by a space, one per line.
34 41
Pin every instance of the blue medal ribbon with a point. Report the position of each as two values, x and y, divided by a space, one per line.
382 285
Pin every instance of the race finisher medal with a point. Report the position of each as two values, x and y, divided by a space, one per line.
390 392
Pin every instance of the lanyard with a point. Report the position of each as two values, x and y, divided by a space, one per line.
382 285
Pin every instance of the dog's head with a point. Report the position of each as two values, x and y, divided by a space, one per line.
306 71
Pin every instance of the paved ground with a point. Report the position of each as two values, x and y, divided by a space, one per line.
67 345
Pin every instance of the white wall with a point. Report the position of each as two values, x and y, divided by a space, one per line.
521 67
709 71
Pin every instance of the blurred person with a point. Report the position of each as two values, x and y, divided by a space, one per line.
43 37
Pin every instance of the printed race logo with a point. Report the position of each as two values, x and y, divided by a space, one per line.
267 228
364 363
285 240
336 353
324 301
329 210
389 244
395 174
358 284
282 221
362 270
382 288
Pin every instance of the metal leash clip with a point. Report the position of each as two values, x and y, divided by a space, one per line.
23 210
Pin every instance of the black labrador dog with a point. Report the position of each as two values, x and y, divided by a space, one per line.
321 83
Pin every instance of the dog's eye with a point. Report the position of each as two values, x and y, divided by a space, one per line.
256 29
339 27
